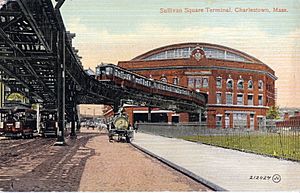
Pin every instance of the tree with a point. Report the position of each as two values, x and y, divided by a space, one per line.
273 112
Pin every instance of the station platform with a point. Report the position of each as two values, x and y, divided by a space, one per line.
221 168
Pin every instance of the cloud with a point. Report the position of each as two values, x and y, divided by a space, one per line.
282 53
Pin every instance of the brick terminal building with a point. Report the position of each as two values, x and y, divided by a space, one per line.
240 87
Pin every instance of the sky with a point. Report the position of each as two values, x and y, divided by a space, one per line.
113 30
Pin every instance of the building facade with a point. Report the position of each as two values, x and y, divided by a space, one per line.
292 121
240 87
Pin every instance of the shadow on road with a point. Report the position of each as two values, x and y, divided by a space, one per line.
47 167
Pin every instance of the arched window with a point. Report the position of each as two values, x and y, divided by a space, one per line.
229 83
205 82
260 85
250 84
240 84
163 78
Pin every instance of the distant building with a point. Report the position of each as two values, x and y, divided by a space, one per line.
290 121
240 87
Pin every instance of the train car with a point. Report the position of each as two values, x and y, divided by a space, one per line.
18 122
121 128
125 78
48 123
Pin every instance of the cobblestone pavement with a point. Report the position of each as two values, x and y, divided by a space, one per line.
37 165
89 163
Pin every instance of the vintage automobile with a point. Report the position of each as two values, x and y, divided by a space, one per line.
121 128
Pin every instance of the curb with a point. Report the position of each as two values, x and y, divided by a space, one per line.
181 169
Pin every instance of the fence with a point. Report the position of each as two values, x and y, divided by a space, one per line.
281 142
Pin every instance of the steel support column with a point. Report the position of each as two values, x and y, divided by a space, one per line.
61 103
149 115
73 127
2 94
77 118
72 97
38 118
73 119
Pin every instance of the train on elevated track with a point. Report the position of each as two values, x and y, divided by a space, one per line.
120 125
128 79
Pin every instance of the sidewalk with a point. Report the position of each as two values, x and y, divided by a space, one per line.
119 167
228 169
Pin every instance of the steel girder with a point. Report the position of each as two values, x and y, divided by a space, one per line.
22 52
29 55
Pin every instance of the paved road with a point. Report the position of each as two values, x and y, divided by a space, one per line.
228 169
88 163
118 167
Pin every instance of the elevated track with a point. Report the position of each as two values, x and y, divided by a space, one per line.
37 59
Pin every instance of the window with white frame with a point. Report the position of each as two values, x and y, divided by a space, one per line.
250 99
198 82
260 100
219 121
186 52
260 85
240 99
219 82
191 82
170 54
250 84
229 83
229 100
240 84
227 120
219 98
205 82
176 80
240 120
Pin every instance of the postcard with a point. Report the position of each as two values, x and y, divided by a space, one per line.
134 96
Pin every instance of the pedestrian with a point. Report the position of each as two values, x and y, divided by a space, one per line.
135 126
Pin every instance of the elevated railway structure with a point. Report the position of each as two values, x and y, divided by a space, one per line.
37 59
